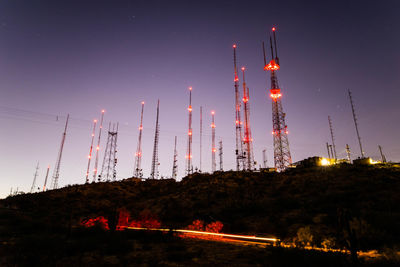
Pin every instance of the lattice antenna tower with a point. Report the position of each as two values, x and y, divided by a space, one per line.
175 162
154 162
189 165
201 136
56 172
221 153
282 157
240 163
213 148
45 179
108 169
382 155
138 172
34 178
332 137
348 153
96 162
356 125
247 140
90 151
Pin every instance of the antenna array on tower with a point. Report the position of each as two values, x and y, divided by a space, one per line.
96 162
175 163
282 157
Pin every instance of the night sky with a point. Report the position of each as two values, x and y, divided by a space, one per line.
78 57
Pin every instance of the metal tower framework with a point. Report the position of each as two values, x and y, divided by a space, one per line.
221 153
213 148
382 155
247 140
201 137
138 172
90 151
108 169
282 157
175 162
348 153
154 162
332 137
356 125
240 163
56 173
189 165
45 179
96 162
34 178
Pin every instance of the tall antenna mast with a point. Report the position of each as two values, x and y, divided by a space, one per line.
56 173
138 156
356 125
348 153
247 140
90 151
382 155
238 122
96 162
45 179
108 170
213 149
175 163
34 178
189 166
201 135
332 136
154 162
221 167
282 157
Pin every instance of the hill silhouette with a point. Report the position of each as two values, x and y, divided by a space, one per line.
346 206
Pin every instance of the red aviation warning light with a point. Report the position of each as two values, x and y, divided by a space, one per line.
272 66
273 29
275 94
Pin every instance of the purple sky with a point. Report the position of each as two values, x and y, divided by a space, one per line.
78 57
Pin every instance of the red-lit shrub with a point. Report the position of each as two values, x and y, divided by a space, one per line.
99 221
196 225
214 227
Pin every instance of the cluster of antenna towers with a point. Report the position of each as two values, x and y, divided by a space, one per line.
244 141
244 153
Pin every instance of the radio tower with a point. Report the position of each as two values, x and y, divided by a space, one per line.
189 166
356 125
201 134
247 140
175 163
238 122
382 155
333 139
108 169
56 173
34 178
45 179
154 162
221 167
96 162
282 157
90 151
138 156
213 149
348 153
